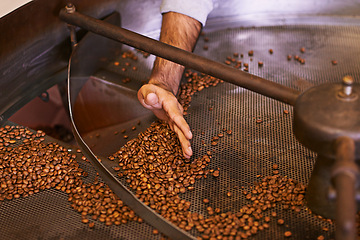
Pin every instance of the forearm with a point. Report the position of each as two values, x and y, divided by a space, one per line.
180 31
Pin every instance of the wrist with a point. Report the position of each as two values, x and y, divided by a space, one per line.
162 85
166 75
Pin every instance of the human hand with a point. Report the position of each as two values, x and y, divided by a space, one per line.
166 107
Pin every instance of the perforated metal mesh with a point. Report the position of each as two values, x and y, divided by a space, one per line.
243 157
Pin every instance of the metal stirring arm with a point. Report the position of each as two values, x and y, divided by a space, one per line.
188 59
345 176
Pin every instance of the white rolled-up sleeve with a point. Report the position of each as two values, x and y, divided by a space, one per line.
197 9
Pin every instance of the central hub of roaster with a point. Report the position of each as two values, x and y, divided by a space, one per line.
322 115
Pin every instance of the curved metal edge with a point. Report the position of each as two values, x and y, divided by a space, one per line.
143 211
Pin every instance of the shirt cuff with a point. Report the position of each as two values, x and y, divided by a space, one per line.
197 9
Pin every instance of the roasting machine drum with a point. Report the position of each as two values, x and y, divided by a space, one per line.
262 128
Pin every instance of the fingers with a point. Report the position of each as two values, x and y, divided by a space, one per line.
155 98
175 113
185 143
166 107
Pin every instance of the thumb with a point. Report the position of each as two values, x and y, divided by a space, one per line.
148 97
152 99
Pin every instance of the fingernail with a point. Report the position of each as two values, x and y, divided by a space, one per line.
189 151
190 134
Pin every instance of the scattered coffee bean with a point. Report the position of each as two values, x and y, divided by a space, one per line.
216 173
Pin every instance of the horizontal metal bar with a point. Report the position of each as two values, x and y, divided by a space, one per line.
185 58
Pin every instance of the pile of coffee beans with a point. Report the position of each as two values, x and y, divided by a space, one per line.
154 168
28 165
264 199
96 201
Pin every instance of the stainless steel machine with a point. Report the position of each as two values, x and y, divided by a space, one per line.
325 119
